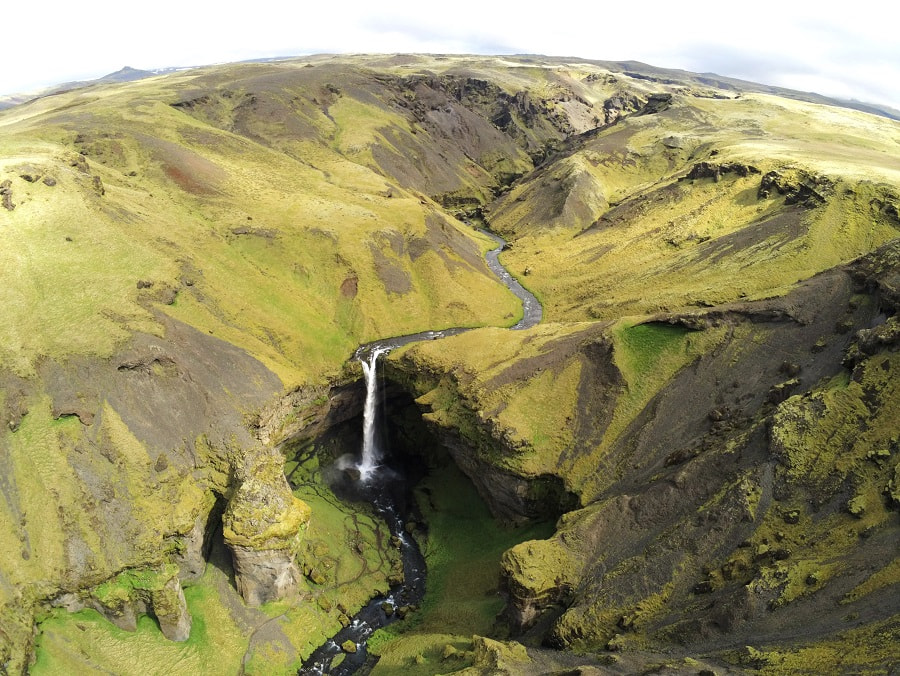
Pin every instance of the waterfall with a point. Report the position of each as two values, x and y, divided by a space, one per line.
371 456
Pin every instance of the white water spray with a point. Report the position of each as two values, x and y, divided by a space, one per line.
370 452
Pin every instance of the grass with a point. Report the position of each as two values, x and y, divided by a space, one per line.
643 347
85 642
688 243
870 649
254 291
462 549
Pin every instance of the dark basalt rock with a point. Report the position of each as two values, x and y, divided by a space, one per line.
620 105
716 171
802 188
6 194
656 103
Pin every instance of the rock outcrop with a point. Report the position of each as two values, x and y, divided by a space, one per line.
797 186
6 194
263 526
131 593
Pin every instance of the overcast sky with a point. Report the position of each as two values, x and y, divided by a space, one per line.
849 50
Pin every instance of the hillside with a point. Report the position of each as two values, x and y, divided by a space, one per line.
707 412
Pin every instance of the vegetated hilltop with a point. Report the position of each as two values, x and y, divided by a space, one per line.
189 261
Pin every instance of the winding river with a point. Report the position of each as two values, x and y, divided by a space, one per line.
532 312
390 496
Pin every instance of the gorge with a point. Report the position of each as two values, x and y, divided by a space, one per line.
685 458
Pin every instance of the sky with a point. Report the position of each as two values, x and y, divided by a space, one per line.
848 51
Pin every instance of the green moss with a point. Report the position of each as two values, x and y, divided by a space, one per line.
867 650
85 642
125 583
644 345
463 551
539 569
821 439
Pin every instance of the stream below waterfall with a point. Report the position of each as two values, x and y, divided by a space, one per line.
387 489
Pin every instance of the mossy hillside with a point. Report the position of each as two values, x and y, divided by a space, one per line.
577 193
843 468
59 514
85 642
86 305
663 233
870 649
648 355
823 536
58 534
759 249
837 432
205 184
621 162
843 142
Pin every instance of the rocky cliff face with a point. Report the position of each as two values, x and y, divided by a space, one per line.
133 450
263 526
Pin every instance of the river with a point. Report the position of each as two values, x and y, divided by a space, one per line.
389 493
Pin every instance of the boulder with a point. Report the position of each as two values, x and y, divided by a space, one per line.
6 195
131 593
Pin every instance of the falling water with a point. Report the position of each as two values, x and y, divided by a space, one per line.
371 457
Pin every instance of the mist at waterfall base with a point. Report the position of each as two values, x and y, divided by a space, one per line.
375 477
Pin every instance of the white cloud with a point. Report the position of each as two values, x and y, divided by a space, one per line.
798 44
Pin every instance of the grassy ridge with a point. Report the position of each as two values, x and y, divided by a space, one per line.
274 288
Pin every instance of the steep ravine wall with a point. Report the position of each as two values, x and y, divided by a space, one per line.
114 506
751 502
512 498
757 486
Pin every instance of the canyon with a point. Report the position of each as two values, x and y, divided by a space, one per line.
684 457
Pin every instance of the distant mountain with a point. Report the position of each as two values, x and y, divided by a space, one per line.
632 68
672 76
126 74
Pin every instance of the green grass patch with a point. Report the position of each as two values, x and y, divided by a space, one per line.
463 550
85 642
644 345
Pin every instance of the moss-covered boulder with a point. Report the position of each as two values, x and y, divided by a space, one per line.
537 574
